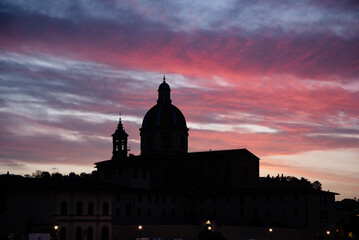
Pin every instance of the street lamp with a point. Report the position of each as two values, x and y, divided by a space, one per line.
270 230
328 233
56 227
140 229
209 228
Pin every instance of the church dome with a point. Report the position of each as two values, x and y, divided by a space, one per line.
164 128
164 115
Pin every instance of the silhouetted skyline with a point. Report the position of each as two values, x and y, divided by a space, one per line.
277 78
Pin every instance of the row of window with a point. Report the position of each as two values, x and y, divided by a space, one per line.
240 200
84 234
200 213
136 173
80 210
156 198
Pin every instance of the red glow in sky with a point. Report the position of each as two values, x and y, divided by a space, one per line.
278 78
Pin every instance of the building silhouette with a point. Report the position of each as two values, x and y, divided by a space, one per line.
169 193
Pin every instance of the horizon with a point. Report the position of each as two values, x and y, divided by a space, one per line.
278 78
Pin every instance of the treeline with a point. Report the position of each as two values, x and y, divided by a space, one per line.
289 181
56 175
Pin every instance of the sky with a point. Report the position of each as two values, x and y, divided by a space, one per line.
280 78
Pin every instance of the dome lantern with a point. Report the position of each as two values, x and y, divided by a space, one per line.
164 92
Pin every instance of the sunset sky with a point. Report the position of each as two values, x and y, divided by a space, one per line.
280 78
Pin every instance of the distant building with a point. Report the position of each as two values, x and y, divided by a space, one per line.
168 193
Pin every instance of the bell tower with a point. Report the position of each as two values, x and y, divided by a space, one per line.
119 141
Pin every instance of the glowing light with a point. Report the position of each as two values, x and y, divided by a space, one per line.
140 227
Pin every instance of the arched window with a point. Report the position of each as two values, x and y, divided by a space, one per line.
79 208
89 233
90 208
78 233
63 209
105 208
104 233
63 233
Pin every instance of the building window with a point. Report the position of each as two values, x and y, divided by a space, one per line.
143 174
241 200
167 141
135 173
104 233
323 216
118 212
118 197
139 212
63 233
183 143
150 141
296 213
149 198
282 213
173 213
323 201
281 198
295 198
105 208
241 212
149 213
89 233
128 209
139 198
163 213
268 213
79 208
63 209
108 173
268 198
90 208
120 173
78 233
